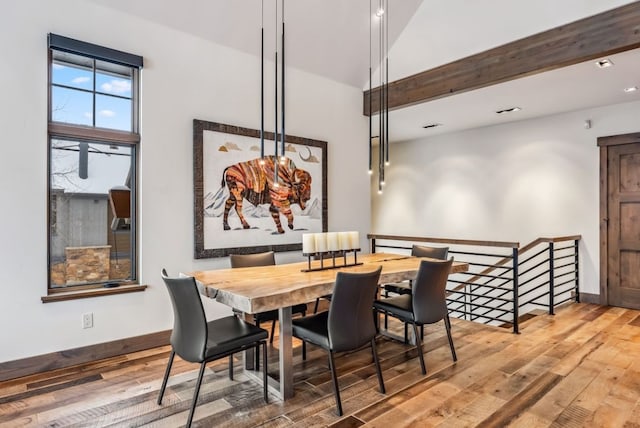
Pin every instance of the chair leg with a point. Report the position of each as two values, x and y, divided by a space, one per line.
422 331
273 330
315 307
386 316
406 333
419 348
166 376
447 325
196 393
264 370
304 350
256 367
374 351
376 320
336 389
231 367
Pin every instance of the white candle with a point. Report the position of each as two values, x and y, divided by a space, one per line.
354 238
321 242
333 243
308 243
345 241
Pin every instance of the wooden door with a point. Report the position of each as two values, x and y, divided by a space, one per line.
620 220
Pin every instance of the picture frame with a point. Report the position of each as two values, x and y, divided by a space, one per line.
228 157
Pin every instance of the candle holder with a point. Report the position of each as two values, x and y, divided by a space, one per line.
332 257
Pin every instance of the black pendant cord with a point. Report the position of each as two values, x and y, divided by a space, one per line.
282 135
381 112
380 106
386 116
370 96
262 84
386 92
370 124
383 86
275 128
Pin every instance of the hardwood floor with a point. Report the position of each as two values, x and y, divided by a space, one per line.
579 368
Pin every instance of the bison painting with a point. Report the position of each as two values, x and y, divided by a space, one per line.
253 180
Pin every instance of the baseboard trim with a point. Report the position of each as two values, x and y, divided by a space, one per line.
71 357
589 298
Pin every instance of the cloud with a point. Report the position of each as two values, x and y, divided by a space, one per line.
254 149
116 86
58 66
82 79
107 113
290 148
87 114
232 146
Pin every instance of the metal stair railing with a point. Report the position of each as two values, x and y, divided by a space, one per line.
499 286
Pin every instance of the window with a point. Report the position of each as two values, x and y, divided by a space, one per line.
93 144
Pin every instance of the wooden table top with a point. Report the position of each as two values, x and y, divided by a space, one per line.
259 289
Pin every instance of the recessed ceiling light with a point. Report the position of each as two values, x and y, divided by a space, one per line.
604 63
432 125
509 110
631 89
379 12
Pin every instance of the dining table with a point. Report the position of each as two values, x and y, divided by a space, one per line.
279 287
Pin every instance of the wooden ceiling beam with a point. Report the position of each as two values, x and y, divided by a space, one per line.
597 36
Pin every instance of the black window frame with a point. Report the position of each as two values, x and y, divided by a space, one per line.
93 134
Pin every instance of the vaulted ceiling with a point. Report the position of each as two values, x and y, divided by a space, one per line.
331 38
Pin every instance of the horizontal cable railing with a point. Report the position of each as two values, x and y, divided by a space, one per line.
504 280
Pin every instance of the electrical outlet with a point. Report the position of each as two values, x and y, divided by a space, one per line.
87 320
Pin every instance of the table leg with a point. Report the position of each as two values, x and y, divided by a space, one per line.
286 353
249 354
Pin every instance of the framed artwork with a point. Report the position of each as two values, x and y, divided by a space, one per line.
238 207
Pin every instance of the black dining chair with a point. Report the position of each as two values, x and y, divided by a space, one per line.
347 325
404 287
265 259
427 303
197 340
439 253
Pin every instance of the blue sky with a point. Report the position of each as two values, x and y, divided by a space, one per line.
76 106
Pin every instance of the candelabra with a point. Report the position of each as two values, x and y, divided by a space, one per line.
335 245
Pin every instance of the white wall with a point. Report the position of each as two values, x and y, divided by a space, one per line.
512 182
183 78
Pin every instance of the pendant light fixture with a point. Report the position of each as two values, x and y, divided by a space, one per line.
282 154
279 154
382 19
262 84
275 99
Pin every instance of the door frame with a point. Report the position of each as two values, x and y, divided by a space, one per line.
604 143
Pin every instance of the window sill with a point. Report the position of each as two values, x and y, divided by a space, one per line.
95 292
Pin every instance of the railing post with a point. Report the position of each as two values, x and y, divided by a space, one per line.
515 291
576 269
467 306
551 282
373 245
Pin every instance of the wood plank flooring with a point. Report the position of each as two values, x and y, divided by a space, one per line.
579 368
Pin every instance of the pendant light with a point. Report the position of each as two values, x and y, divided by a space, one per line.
279 155
262 84
282 134
382 19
